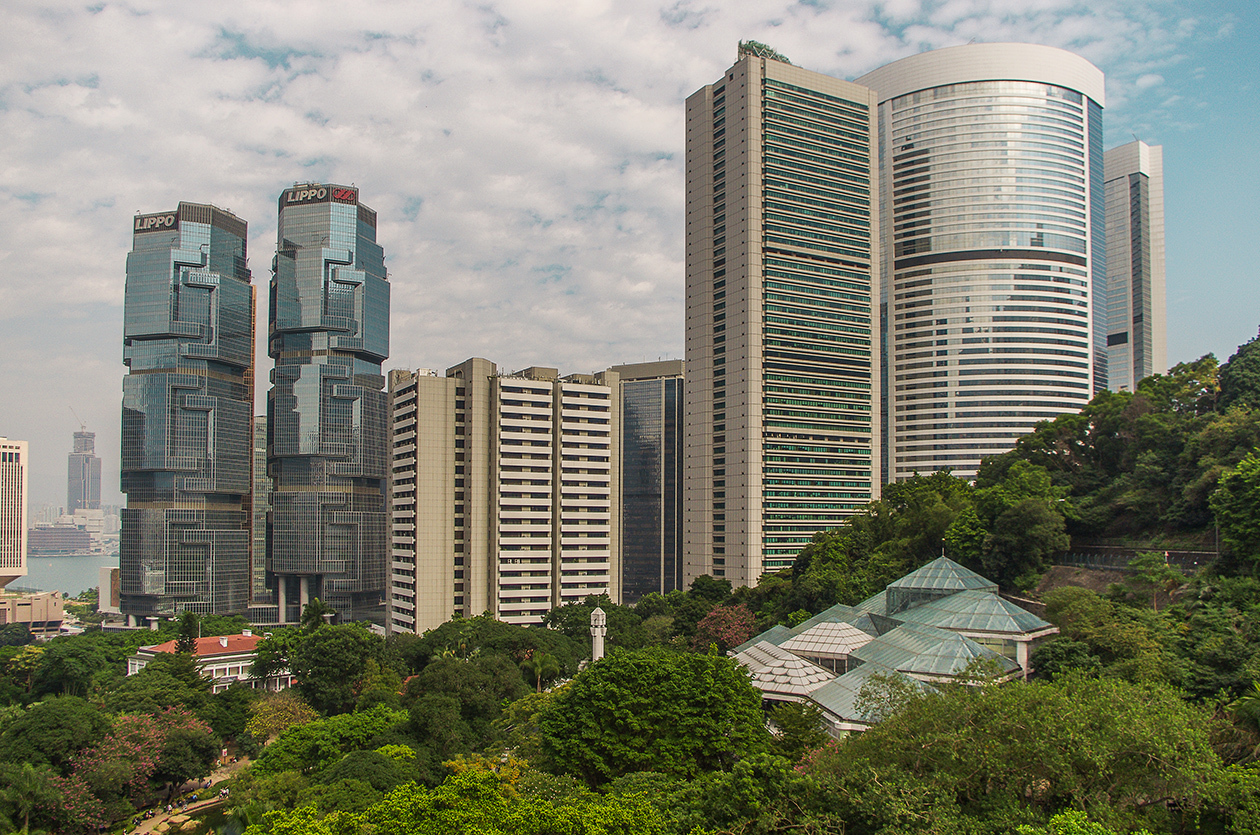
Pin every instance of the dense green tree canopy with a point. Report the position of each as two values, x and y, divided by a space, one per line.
52 732
653 710
1127 754
329 664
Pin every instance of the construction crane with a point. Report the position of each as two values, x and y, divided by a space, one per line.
82 425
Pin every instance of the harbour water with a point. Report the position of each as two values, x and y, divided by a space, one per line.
70 574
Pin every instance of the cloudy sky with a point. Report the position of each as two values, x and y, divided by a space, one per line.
525 156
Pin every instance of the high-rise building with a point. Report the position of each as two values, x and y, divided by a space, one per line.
261 507
326 412
781 384
1136 343
993 234
83 474
651 454
502 489
13 501
188 343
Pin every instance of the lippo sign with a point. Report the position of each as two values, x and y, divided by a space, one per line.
162 222
315 193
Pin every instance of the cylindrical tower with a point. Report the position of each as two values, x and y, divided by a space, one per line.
994 255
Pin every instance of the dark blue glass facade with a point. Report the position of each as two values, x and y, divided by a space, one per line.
651 485
326 412
188 343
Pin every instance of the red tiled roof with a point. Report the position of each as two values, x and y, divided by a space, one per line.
211 646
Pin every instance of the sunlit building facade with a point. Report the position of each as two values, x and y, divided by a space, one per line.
502 493
188 344
13 507
993 281
782 386
326 411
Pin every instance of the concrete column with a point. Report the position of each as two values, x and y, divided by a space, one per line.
599 628
304 591
1022 655
282 597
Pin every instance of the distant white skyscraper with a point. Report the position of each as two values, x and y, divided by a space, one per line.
991 167
13 500
1136 342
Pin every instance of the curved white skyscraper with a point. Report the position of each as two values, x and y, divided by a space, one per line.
991 172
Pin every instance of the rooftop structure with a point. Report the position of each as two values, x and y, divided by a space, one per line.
930 626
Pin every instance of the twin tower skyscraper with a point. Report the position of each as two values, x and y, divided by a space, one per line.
188 402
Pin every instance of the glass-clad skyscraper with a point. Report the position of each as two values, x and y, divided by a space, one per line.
1136 341
83 474
326 413
780 250
994 275
651 405
188 343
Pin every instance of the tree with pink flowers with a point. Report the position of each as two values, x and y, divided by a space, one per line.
726 626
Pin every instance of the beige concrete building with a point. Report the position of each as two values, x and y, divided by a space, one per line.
502 491
42 612
782 377
1137 344
13 502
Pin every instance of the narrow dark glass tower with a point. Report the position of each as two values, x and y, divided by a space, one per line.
326 413
188 343
83 474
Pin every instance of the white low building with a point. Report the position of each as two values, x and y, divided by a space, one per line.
225 660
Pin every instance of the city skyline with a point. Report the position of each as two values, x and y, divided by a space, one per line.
554 190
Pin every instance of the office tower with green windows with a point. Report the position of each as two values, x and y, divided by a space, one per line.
188 344
326 411
782 381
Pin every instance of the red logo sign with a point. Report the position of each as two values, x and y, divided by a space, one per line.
347 195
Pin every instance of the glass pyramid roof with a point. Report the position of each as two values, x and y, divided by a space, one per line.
943 574
774 635
840 697
974 611
920 650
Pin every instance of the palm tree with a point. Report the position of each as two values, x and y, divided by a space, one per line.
1246 708
316 614
540 667
28 790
